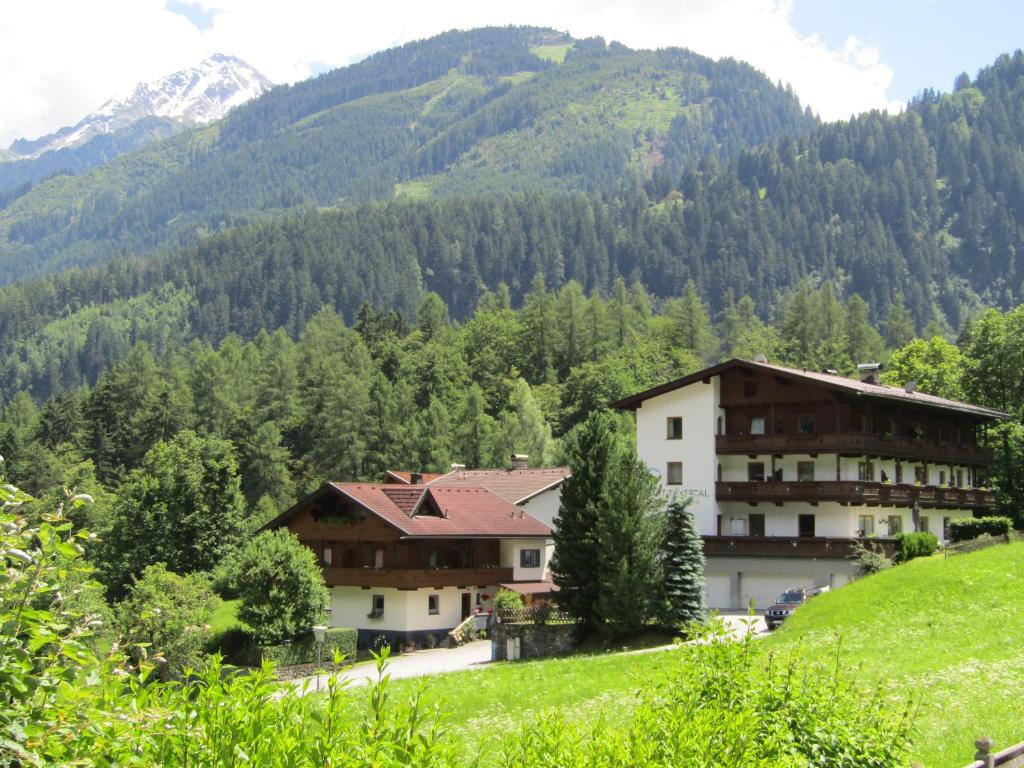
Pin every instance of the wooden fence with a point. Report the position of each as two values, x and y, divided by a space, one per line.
1011 757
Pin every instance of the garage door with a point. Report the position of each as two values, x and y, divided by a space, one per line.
716 592
765 588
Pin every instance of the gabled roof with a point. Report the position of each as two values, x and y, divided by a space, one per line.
852 386
413 510
514 485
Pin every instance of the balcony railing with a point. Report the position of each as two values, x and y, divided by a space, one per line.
859 444
788 546
415 577
856 492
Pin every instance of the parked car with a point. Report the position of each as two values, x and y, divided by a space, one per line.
788 602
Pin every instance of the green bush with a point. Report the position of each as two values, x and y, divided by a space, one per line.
167 614
238 646
973 527
869 559
913 545
507 600
303 650
280 586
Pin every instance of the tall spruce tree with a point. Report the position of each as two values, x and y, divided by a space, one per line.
682 566
576 566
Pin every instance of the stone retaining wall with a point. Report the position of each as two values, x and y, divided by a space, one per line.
536 641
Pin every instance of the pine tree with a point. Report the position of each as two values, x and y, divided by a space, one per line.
576 565
899 326
683 566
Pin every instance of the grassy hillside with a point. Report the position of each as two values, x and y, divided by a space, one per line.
486 111
944 628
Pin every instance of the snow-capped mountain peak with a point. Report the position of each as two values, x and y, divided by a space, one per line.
200 94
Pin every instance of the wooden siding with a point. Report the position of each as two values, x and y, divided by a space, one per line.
414 578
856 444
856 492
788 546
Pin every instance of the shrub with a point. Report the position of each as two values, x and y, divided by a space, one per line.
913 545
238 646
304 651
869 559
506 601
540 611
167 614
973 527
280 585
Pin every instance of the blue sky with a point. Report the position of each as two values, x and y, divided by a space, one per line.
926 43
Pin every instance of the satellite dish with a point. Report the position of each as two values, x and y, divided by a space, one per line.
654 471
760 358
909 387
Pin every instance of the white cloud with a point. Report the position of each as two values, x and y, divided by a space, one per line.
60 60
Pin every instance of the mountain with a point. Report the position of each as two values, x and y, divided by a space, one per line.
921 214
486 111
152 111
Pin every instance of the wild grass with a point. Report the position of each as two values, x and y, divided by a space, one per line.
555 53
944 627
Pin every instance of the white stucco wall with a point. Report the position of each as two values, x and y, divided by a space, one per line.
697 404
510 549
404 610
544 506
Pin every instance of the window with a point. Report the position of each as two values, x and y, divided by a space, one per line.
674 428
755 471
328 556
922 524
757 425
433 604
920 474
899 472
805 526
942 477
377 607
529 558
739 526
756 524
720 432
805 471
945 528
959 478
865 471
895 525
378 559
750 388
805 423
674 473
866 525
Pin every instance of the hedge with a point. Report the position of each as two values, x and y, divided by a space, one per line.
913 545
973 527
241 647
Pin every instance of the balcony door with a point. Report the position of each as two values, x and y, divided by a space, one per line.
805 526
467 605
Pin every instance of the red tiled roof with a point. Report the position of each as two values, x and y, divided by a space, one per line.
467 512
397 478
513 485
837 382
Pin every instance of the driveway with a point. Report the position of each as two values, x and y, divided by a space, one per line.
477 654
416 664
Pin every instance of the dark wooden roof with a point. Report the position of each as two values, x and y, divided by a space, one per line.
832 381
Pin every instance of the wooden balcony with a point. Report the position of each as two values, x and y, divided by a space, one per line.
857 444
788 546
856 492
410 578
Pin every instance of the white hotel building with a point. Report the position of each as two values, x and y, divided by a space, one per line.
788 467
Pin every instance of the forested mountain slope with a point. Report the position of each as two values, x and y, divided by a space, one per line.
922 209
491 110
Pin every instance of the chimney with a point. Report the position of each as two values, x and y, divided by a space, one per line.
416 478
520 461
457 467
870 373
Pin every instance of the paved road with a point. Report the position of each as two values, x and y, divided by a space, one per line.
477 655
